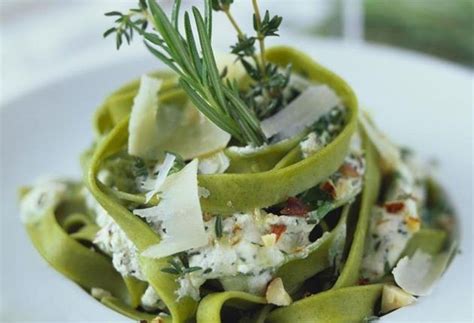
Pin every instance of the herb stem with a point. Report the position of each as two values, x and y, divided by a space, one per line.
260 37
233 22
239 31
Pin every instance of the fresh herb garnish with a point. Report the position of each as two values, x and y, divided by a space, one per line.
218 226
330 124
139 167
324 207
178 267
386 266
178 164
266 94
196 66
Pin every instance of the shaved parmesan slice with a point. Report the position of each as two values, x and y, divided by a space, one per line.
214 164
163 172
178 213
417 275
186 131
143 129
155 128
388 151
307 108
394 298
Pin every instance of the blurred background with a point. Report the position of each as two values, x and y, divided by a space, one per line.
42 39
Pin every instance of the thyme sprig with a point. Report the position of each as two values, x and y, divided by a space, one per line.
193 61
179 266
136 19
266 94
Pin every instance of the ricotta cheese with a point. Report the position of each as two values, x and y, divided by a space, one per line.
113 241
311 144
150 300
393 224
248 252
44 196
389 233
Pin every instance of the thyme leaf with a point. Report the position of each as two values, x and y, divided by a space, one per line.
218 226
179 266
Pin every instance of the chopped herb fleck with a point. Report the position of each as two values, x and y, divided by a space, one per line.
377 245
218 226
179 267
321 211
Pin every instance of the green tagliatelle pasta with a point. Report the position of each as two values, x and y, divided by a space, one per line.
62 236
292 227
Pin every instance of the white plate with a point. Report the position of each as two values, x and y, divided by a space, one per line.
419 101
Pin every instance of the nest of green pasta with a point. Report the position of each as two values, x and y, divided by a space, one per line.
311 215
270 239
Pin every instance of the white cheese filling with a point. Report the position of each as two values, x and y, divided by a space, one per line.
393 224
45 195
112 240
240 258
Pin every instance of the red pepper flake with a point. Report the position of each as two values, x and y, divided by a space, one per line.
363 281
236 229
329 188
278 230
295 206
394 207
348 170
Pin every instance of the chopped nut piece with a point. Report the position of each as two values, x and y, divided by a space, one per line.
394 297
348 170
99 293
269 240
158 319
276 293
413 224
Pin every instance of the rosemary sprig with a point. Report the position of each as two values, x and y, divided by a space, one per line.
195 65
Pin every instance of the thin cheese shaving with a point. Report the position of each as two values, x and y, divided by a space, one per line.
418 275
307 108
178 213
163 172
143 127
